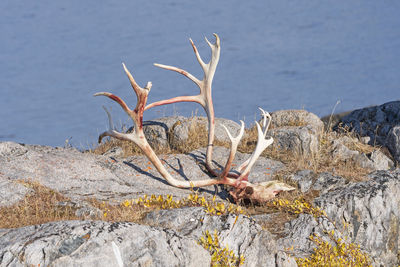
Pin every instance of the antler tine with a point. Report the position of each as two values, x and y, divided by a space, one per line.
181 71
262 144
113 133
266 116
116 99
110 121
135 86
216 44
201 62
265 127
214 47
234 144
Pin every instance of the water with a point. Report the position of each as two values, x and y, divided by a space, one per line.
275 54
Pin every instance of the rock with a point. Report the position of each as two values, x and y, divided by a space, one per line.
170 241
295 118
371 211
326 182
297 131
393 142
304 179
365 212
83 175
323 182
82 209
89 243
340 149
296 140
379 123
11 149
11 192
181 131
365 139
376 160
297 233
115 152
158 131
171 132
240 233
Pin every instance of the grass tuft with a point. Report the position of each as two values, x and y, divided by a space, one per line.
40 206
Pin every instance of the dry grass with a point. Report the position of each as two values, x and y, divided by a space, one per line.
38 207
128 148
321 161
118 212
198 137
44 205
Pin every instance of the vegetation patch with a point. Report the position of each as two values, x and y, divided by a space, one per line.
298 206
319 162
211 207
43 205
340 253
197 138
40 206
220 256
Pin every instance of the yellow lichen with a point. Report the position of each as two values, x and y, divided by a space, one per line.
220 256
212 207
297 206
339 254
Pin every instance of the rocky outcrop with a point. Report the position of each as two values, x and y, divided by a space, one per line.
374 159
240 233
171 241
366 212
393 142
90 243
84 175
297 131
379 123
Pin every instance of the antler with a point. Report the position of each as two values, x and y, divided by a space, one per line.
138 137
204 98
242 188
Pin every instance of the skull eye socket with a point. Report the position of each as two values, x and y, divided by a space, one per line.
249 190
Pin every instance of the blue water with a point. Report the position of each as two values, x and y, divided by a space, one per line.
280 54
